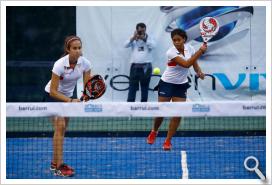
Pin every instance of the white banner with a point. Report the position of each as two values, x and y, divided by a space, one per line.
138 109
234 63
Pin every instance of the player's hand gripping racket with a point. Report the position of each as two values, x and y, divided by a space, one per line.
209 27
94 88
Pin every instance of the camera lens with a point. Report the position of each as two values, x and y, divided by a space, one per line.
140 32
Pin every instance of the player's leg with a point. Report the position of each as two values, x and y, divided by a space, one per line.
59 126
179 95
61 169
175 121
173 126
164 95
157 123
69 170
158 120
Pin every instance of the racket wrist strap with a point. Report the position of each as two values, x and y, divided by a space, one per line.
84 92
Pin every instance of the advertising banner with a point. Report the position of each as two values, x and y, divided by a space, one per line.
234 64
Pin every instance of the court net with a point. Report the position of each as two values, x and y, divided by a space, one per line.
108 140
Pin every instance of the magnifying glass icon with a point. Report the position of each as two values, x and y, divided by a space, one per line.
255 168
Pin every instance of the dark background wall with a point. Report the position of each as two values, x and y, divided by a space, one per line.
34 41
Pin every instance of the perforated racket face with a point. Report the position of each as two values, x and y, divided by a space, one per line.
209 27
95 87
99 86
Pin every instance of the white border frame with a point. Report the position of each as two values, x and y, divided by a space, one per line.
267 4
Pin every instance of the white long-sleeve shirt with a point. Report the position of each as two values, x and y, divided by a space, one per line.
141 51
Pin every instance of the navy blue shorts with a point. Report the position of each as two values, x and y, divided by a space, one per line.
48 98
166 89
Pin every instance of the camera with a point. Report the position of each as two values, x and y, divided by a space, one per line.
140 32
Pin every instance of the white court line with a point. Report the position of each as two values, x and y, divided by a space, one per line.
185 171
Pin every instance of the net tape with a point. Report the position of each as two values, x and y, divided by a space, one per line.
135 109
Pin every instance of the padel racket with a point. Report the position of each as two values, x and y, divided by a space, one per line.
209 27
94 88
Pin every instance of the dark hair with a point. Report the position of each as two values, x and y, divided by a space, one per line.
68 41
179 32
142 25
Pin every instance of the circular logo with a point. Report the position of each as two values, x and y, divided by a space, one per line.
209 25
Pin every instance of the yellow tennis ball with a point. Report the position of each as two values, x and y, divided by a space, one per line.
156 71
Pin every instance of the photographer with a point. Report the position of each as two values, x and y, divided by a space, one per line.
141 58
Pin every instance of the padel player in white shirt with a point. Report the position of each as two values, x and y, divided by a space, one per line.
66 71
175 73
174 83
68 75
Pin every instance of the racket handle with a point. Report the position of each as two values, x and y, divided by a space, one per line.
202 51
204 43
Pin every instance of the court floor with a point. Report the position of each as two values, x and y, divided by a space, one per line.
131 158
